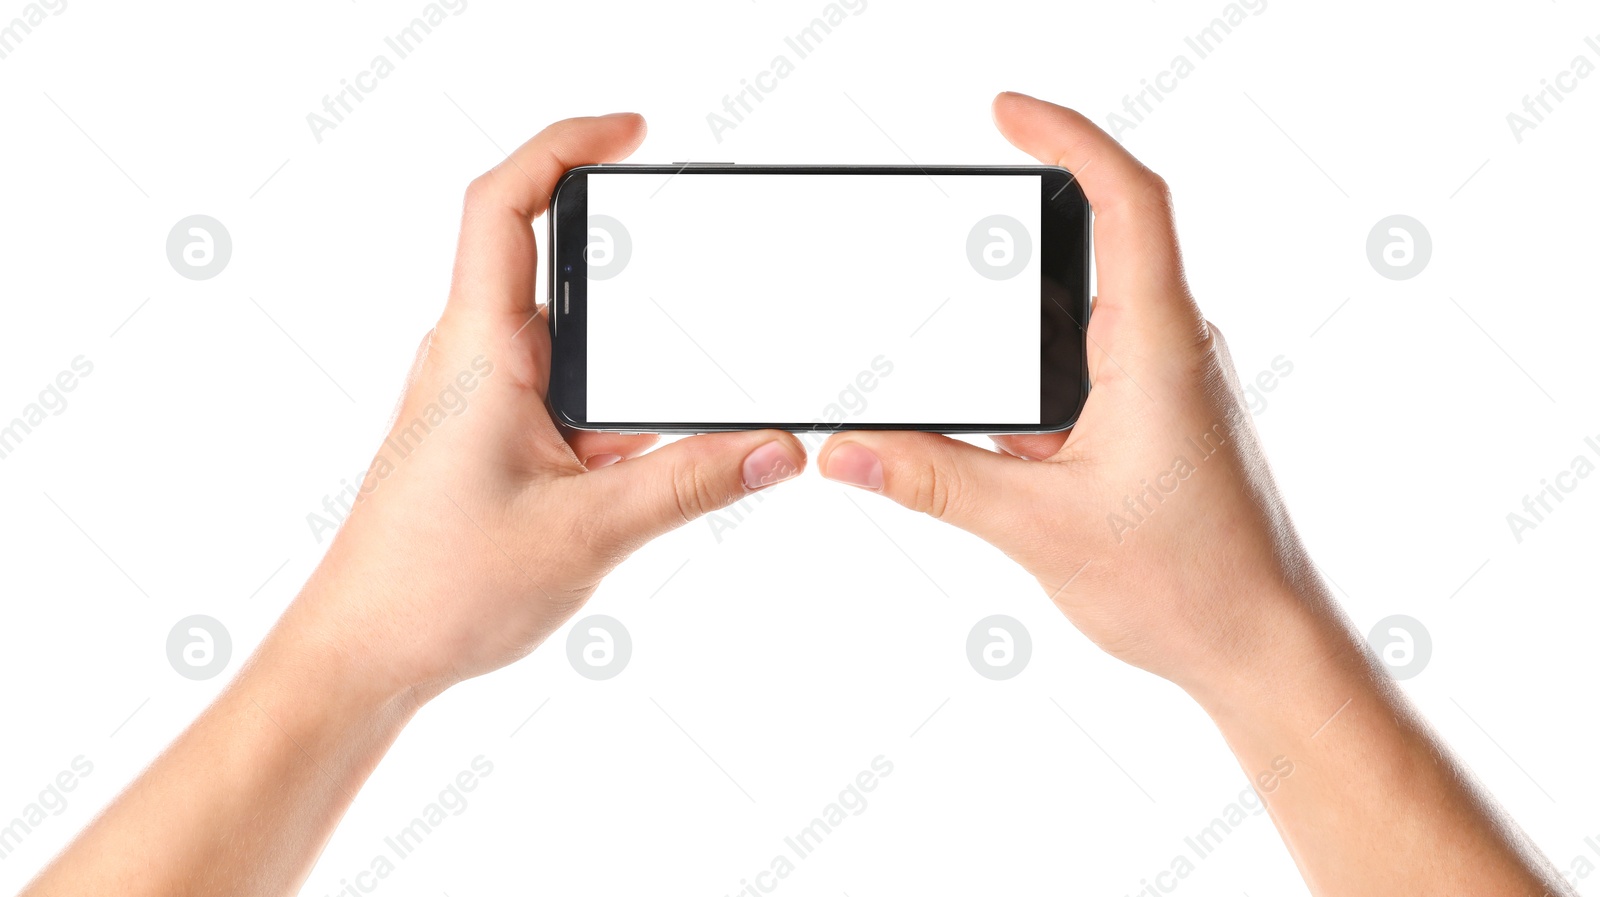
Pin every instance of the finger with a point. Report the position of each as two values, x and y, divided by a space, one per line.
1032 446
1136 246
597 450
496 258
936 475
660 491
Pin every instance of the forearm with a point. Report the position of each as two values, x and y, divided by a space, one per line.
243 802
1374 802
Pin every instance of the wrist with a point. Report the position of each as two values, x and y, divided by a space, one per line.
297 712
1290 654
315 656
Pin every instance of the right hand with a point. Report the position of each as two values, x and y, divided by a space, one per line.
1154 524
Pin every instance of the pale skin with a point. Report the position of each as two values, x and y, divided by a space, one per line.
467 556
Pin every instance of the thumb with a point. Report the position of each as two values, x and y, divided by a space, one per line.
647 496
936 475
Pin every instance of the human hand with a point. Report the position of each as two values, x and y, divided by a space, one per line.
1154 525
482 525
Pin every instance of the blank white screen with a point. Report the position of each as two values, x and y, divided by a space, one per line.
785 298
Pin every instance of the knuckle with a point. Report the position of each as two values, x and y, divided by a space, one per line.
1216 335
694 492
480 192
1157 193
1218 345
936 492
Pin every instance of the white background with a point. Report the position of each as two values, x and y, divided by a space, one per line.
827 627
760 298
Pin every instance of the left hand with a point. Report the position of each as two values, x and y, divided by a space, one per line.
482 525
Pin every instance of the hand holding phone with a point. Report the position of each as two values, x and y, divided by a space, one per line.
1154 524
482 525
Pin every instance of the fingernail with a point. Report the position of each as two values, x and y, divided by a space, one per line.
768 465
854 464
596 462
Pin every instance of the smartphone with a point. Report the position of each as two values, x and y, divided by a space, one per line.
700 297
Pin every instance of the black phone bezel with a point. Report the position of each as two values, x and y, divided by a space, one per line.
1065 247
